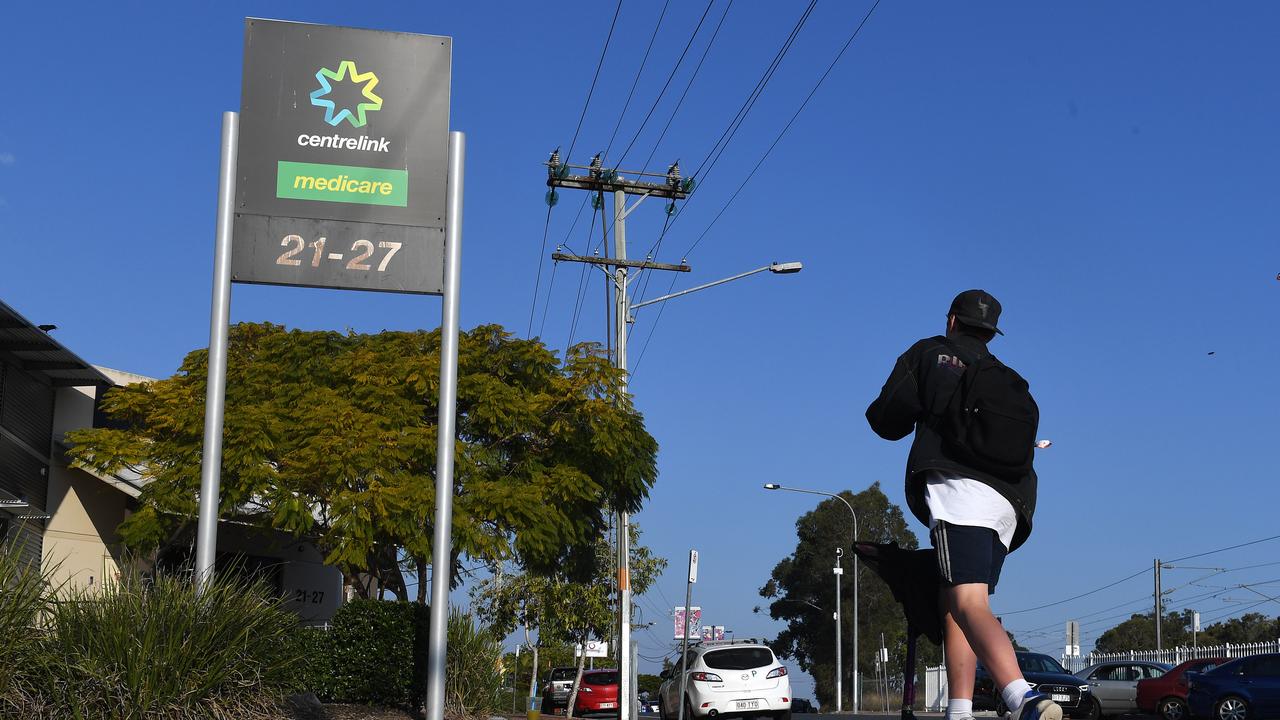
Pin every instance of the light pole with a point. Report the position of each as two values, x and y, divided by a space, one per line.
856 679
623 309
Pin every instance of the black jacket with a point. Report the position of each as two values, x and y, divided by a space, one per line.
916 392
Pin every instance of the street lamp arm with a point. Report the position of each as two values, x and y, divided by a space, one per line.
775 486
775 267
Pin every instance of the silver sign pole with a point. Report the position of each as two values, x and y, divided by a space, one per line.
216 385
441 562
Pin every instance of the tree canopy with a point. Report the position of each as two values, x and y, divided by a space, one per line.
801 589
1139 631
333 436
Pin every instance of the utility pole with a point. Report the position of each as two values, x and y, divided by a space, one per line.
839 670
601 180
1159 606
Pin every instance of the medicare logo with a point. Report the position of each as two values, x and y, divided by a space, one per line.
346 70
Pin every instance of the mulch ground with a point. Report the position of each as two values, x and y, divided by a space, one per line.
364 712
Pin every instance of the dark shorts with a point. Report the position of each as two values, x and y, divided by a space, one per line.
968 554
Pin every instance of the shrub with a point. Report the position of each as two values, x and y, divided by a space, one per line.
160 650
473 677
23 605
376 654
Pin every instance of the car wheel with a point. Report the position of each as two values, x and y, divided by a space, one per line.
1231 708
662 710
1095 710
1172 708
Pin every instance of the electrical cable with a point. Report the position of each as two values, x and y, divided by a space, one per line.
582 283
666 84
636 81
537 282
591 91
1231 547
1076 597
786 127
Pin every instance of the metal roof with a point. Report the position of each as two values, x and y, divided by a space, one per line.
37 352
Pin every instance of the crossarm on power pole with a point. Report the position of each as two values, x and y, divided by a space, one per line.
620 262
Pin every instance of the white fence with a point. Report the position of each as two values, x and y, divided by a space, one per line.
1173 656
935 678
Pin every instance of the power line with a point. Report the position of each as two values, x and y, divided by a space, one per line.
787 127
592 89
732 129
1076 597
636 81
666 84
1231 547
573 143
542 254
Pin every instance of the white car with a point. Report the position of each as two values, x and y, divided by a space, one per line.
733 677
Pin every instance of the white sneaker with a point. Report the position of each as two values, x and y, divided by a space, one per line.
1037 706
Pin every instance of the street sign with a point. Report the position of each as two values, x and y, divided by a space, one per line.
595 649
693 566
342 158
695 621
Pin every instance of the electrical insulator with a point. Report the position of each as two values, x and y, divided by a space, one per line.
687 185
595 202
552 198
673 174
596 165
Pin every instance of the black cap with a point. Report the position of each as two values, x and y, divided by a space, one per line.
976 308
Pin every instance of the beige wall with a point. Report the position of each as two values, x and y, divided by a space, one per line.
80 542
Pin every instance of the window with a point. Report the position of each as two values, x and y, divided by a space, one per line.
600 678
1040 664
1153 671
561 674
1268 665
1115 673
739 658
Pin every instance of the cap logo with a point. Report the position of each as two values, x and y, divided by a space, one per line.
983 308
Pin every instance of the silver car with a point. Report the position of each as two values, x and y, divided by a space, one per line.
1115 684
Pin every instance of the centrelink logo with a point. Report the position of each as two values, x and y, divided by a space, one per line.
334 116
346 70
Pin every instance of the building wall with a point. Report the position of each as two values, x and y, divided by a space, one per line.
26 416
81 547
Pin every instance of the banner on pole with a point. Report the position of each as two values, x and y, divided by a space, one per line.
688 629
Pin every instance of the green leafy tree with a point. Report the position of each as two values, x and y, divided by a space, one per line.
1248 628
570 606
333 436
801 591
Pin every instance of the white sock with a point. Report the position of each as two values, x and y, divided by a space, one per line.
1013 694
957 708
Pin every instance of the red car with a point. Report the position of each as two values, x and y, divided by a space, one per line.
1166 695
598 694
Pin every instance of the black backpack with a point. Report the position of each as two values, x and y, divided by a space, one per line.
989 423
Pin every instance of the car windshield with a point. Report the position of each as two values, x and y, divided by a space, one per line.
562 674
739 658
600 678
1040 663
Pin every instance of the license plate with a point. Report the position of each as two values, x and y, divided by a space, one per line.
608 706
1060 698
747 705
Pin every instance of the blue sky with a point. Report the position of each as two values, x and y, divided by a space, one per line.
1108 171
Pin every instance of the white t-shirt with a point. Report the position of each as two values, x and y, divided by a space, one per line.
965 501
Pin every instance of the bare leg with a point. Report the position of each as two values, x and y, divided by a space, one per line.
961 662
968 613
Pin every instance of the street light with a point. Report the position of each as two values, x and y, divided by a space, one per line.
856 679
785 268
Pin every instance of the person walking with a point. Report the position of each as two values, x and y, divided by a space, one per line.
970 480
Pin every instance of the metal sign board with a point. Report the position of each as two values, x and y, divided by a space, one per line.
595 649
690 628
342 158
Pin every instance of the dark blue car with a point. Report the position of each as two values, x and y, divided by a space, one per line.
1244 689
